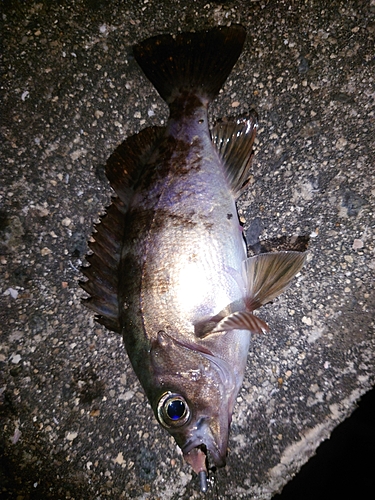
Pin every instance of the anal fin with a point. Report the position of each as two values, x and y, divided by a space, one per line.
269 274
234 140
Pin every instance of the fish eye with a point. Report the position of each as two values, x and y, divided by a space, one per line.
173 410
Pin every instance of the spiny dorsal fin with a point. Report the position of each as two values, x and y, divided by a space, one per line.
197 63
234 140
102 273
123 170
269 274
124 166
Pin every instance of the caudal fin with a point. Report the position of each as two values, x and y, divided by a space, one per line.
197 63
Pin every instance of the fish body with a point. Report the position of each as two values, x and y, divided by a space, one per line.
170 270
192 252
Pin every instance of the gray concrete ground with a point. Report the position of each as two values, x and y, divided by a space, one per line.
74 420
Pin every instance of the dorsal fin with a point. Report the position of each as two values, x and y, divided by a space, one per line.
234 140
102 273
123 170
124 166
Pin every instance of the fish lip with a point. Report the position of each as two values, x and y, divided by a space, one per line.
219 458
197 459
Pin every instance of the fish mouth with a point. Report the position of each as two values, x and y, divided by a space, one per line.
197 459
197 451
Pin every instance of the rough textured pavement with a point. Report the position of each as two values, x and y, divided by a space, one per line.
74 420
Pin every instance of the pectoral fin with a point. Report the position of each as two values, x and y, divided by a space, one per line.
242 320
269 274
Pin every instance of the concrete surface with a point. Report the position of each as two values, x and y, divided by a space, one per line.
74 421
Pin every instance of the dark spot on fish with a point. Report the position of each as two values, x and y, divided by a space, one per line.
184 105
138 220
130 280
171 159
201 120
178 151
145 220
196 164
181 220
229 216
130 276
130 269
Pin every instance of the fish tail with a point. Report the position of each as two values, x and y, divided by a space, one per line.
194 63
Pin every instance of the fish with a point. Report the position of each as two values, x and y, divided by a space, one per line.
168 267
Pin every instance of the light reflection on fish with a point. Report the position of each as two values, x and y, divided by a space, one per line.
169 269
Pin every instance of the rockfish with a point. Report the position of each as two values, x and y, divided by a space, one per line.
169 268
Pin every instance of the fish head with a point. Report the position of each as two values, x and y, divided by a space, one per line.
193 396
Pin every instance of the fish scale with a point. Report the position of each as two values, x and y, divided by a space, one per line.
188 245
169 269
